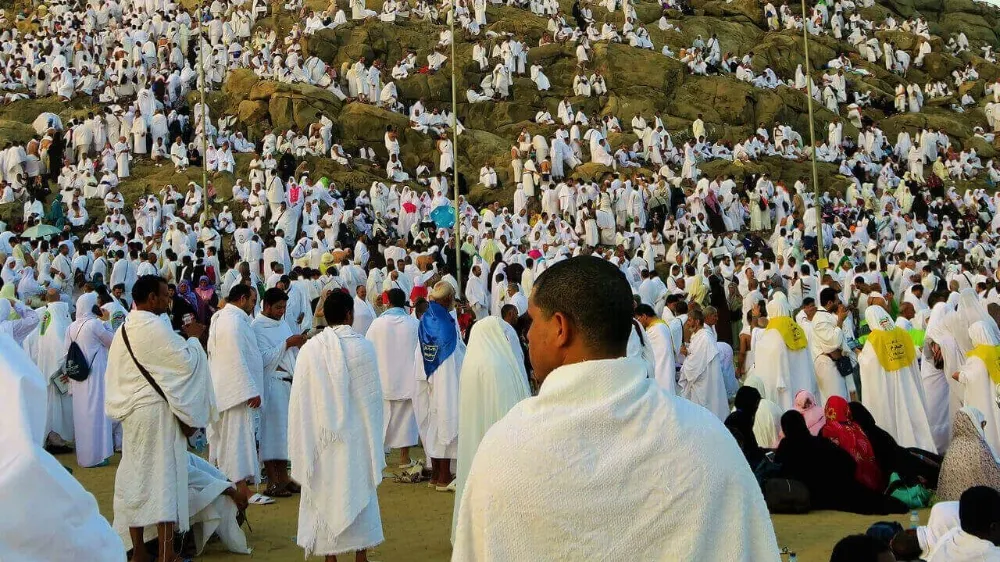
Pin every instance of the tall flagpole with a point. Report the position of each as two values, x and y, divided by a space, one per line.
204 108
454 154
821 250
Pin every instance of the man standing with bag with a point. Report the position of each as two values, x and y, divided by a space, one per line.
156 380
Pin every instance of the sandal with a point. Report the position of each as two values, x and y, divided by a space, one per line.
241 518
260 499
293 487
276 491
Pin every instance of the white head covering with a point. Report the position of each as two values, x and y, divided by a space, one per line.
493 382
969 311
981 333
978 419
937 328
756 382
879 319
778 306
85 306
28 285
767 424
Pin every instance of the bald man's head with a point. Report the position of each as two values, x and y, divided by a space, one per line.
906 310
52 295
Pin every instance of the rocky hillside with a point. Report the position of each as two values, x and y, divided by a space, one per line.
640 81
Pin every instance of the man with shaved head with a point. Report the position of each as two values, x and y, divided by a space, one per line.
602 442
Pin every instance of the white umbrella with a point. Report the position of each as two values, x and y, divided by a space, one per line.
46 120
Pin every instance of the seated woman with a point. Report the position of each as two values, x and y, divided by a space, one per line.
827 471
741 424
914 466
969 460
807 405
764 423
841 429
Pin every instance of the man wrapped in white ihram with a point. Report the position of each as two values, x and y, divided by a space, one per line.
47 515
493 382
890 377
49 335
237 370
335 437
393 331
786 362
151 484
700 379
621 470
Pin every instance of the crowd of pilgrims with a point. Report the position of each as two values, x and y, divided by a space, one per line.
880 368
138 59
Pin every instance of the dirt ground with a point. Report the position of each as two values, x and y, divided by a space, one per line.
417 523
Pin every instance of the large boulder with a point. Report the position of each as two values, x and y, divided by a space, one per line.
749 10
368 123
489 116
299 105
927 119
720 100
783 53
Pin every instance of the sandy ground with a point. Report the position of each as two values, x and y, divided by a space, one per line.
417 523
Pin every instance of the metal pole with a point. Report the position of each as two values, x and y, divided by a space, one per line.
204 108
454 154
821 251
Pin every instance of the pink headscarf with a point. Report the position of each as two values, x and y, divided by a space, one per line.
806 404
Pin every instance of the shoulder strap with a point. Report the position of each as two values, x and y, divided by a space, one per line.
142 369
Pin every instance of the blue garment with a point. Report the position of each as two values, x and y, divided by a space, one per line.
438 337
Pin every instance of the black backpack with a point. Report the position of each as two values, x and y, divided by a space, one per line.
786 496
77 367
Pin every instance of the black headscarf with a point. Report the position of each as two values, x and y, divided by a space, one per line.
741 421
883 444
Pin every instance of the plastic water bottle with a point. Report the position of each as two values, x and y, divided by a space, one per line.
914 519
792 557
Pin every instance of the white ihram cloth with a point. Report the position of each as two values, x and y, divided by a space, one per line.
436 404
979 391
279 364
618 466
47 516
364 315
45 345
515 343
152 475
701 375
784 371
638 348
895 399
335 442
942 401
237 376
959 546
943 518
232 444
93 435
493 382
211 512
665 373
236 366
392 334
